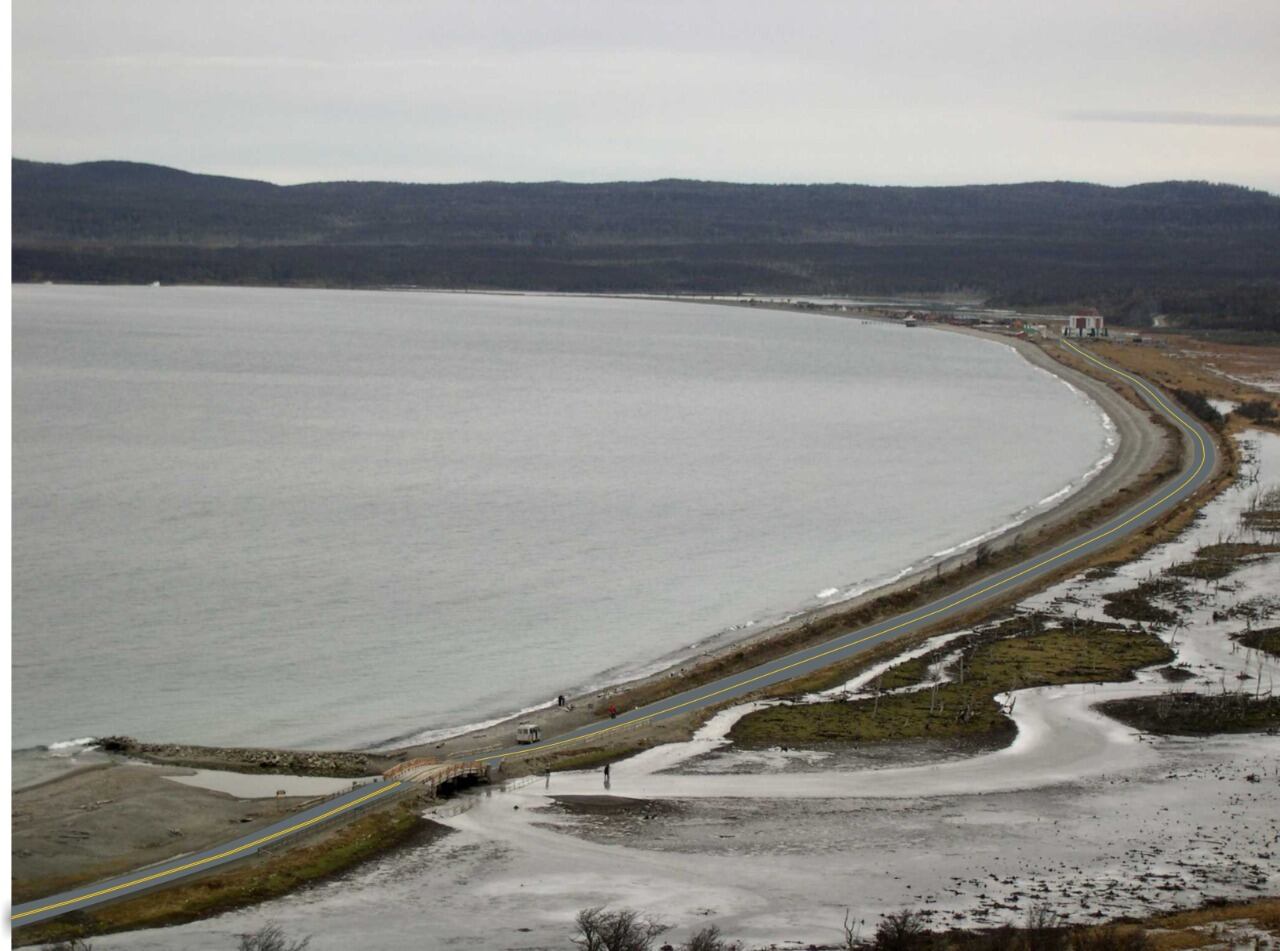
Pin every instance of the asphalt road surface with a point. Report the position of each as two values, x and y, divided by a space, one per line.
168 873
1200 465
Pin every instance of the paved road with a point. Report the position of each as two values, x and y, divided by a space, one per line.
167 873
1198 469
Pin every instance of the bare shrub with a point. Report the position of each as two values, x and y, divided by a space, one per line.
852 932
903 931
1045 928
622 930
708 939
271 937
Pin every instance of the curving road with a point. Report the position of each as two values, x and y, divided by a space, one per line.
1201 461
1198 468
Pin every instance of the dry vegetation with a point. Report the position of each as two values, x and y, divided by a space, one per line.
1197 714
1184 363
1019 653
1213 562
1265 639
1252 925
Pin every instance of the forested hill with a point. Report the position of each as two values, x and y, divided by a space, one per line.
1141 249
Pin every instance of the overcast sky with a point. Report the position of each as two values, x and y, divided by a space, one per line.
879 91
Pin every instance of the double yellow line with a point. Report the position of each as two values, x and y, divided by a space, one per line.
773 672
157 876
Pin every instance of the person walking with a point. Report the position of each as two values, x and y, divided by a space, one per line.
606 775
548 786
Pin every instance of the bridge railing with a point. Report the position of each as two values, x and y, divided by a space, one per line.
410 764
440 772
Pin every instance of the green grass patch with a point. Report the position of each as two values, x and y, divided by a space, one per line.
968 709
911 672
907 674
1193 714
1138 604
1218 561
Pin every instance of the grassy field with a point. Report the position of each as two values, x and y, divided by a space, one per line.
966 706
1182 363
1193 714
1138 603
1217 561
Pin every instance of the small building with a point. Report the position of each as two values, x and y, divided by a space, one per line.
1086 323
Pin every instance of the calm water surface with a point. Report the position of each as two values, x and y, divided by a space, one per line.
335 518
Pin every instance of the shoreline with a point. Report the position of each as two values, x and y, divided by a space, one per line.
678 638
1116 478
1135 447
1033 516
1141 446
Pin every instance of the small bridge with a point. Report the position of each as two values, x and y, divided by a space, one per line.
434 774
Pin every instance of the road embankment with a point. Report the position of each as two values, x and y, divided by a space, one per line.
1149 452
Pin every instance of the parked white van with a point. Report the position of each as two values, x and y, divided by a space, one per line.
528 733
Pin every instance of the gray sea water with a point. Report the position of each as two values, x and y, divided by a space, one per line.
317 518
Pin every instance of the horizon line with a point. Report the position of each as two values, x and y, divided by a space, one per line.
643 181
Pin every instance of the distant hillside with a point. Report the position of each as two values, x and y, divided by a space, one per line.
1212 250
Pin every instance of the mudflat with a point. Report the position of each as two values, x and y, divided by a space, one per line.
114 817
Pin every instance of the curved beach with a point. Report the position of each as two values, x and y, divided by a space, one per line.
1143 449
474 502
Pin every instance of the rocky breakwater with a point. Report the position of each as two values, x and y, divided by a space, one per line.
241 760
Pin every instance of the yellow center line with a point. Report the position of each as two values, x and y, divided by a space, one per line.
156 876
773 672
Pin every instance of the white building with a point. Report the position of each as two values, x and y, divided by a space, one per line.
1085 325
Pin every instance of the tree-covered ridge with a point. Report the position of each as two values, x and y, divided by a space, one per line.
1144 248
